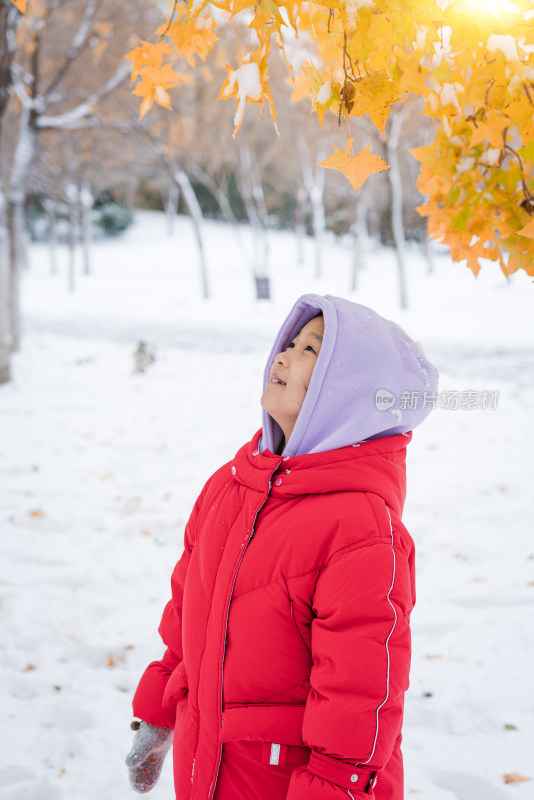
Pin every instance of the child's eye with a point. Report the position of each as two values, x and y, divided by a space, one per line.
309 347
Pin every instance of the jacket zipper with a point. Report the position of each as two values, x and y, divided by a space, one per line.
252 532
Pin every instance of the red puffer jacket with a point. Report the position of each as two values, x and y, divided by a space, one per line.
288 626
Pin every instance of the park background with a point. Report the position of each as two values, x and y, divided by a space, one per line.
158 259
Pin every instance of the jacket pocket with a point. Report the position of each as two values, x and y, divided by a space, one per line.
264 723
292 615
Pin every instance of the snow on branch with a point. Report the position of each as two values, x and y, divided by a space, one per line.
69 119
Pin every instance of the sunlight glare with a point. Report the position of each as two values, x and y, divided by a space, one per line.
493 7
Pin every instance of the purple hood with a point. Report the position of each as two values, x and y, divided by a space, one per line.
355 393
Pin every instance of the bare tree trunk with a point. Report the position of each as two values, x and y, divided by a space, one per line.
193 206
260 254
22 158
221 193
8 16
171 207
86 208
5 331
50 211
427 253
72 200
360 236
300 227
259 201
392 151
314 177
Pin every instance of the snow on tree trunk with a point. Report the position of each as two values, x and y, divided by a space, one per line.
428 254
171 207
50 211
221 194
5 333
251 195
72 200
359 230
22 158
395 179
193 206
86 208
300 227
314 178
15 237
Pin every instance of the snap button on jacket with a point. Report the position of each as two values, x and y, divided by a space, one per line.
289 622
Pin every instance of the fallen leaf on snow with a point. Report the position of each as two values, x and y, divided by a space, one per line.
29 668
36 513
432 656
515 777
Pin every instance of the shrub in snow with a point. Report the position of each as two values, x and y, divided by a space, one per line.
114 218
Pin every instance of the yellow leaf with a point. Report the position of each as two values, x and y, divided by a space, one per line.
355 168
528 230
191 38
249 82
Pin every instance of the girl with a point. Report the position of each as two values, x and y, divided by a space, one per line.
287 636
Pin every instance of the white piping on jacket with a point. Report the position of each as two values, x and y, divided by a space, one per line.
387 643
350 795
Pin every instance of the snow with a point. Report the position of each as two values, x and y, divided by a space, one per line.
248 81
448 94
100 467
324 95
504 42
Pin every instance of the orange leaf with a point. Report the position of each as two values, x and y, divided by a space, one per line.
355 168
29 668
528 230
36 513
147 55
515 777
21 5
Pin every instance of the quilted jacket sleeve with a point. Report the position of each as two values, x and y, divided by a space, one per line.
149 703
361 660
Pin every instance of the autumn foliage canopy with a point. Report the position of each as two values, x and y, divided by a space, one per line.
471 60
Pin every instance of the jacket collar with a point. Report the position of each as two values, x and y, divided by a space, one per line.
378 466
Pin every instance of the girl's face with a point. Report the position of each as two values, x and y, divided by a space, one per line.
291 374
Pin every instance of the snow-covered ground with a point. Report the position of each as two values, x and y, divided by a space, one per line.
100 466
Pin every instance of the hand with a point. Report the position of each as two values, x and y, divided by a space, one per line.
145 759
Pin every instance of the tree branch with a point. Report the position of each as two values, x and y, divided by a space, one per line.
70 118
76 45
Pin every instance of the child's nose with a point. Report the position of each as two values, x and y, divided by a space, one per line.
281 358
